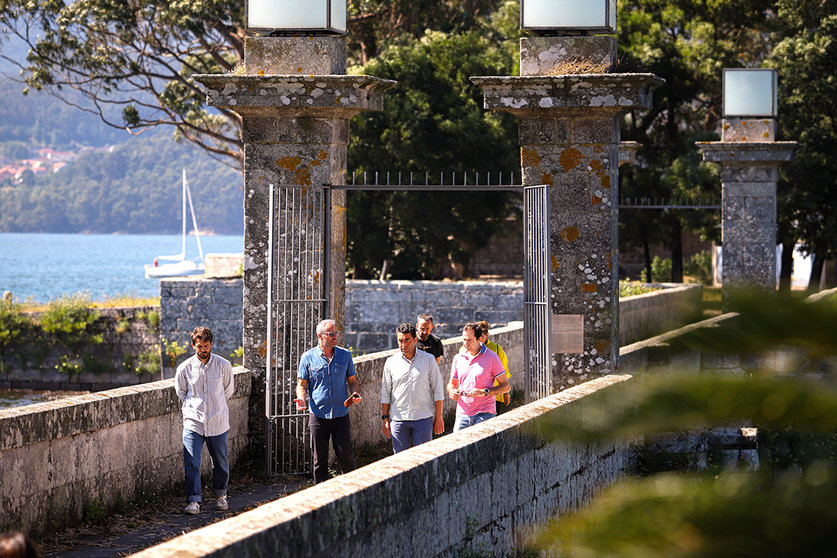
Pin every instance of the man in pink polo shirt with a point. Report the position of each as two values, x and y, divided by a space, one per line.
472 376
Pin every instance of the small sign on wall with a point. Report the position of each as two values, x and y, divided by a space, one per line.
567 333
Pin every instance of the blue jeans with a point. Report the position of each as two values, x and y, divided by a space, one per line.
408 433
192 447
464 421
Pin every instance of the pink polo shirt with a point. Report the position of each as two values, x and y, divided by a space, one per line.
476 372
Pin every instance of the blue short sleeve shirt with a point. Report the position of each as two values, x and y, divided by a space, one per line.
327 388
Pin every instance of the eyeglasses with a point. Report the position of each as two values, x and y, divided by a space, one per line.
329 333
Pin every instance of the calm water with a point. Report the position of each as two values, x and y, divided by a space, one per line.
42 267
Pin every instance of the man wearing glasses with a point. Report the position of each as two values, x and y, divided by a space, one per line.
324 372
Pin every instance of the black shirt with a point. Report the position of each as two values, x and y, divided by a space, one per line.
432 345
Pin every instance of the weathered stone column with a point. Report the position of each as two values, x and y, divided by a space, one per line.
295 103
569 140
749 159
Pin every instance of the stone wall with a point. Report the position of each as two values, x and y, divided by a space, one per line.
62 458
186 303
475 492
649 314
130 340
375 308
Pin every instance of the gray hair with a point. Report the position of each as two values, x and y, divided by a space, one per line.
325 323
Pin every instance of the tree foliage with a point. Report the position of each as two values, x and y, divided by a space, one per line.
433 122
136 55
134 188
785 508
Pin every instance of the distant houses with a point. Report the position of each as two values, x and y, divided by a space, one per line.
48 160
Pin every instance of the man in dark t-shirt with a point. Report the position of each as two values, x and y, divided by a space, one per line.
428 342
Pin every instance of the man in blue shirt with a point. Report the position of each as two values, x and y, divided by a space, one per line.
324 372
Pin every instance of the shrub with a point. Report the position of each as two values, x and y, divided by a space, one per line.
699 266
70 319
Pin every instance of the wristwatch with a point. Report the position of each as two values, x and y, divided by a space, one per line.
384 417
486 390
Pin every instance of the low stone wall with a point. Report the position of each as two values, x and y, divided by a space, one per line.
186 303
127 355
375 308
62 458
643 316
476 492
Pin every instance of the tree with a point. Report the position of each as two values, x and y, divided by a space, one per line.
806 57
432 122
688 43
136 55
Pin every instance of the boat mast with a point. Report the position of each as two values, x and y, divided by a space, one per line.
183 220
194 219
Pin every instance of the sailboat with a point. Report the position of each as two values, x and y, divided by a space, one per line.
179 266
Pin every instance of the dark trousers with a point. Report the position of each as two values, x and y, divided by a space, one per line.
339 430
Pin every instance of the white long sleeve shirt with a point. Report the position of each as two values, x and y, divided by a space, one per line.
204 390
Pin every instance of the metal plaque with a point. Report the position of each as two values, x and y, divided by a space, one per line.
567 333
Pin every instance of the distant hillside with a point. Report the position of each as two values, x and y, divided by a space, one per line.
135 188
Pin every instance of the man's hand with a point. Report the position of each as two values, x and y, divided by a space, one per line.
454 394
385 429
354 399
438 426
300 404
506 399
476 392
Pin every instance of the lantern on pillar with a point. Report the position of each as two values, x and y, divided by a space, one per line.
289 17
568 17
750 92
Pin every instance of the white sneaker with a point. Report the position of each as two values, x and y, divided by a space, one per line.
193 508
220 504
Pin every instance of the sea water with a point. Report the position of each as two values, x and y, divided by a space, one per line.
43 267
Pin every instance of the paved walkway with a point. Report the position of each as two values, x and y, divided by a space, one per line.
123 535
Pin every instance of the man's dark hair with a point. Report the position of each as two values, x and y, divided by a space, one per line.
201 333
474 327
427 317
407 328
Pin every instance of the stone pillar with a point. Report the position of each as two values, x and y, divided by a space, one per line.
749 159
569 140
295 103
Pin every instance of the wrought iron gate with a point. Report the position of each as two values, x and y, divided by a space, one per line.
297 299
536 288
297 295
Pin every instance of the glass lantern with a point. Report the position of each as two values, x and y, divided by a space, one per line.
296 16
750 92
568 16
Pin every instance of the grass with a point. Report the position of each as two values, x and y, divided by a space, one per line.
119 301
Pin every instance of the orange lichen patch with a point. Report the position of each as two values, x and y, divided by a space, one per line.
555 264
766 134
299 69
547 179
743 122
260 72
744 138
726 126
596 200
570 158
596 165
605 180
589 287
263 349
322 155
289 163
602 346
529 157
570 234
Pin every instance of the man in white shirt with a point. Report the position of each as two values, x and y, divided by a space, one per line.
412 393
204 383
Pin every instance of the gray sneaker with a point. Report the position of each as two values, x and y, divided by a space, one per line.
192 509
220 504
